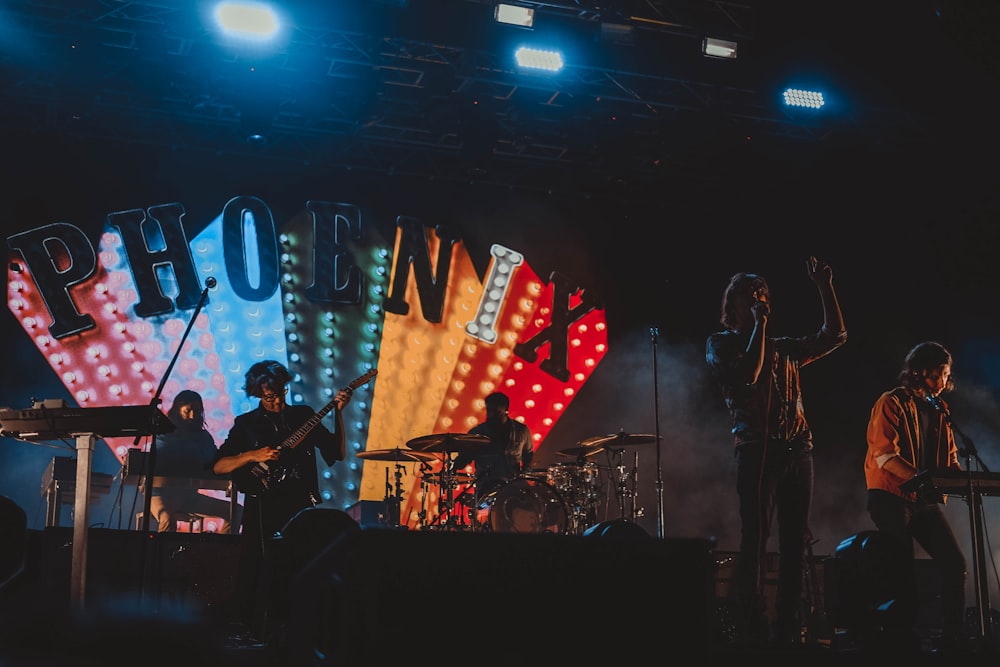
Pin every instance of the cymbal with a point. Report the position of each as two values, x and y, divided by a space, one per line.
582 451
621 439
395 454
447 442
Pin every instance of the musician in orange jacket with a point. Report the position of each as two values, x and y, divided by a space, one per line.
274 464
910 431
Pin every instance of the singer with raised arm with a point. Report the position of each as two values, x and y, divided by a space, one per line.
759 377
909 431
271 453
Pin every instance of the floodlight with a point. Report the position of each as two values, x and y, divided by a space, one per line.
810 99
251 20
538 59
514 14
718 48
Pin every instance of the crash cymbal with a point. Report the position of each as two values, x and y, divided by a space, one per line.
395 454
619 440
447 442
583 451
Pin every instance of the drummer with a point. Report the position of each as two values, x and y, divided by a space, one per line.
508 452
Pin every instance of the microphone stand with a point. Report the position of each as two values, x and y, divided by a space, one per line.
975 501
654 333
151 458
147 487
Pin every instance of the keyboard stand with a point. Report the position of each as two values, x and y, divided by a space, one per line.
81 517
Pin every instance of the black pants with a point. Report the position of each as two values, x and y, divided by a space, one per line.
924 522
776 478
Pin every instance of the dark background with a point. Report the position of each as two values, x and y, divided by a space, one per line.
661 193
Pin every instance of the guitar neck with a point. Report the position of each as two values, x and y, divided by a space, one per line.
301 432
297 436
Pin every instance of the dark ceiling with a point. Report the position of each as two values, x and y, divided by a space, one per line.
426 87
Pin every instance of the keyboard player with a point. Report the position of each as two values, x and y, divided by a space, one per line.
185 455
910 430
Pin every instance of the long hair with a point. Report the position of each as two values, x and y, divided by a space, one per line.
922 358
192 398
269 373
737 297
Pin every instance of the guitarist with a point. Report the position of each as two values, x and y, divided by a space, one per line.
257 440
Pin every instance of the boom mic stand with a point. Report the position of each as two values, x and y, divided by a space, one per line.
147 487
151 457
975 502
654 334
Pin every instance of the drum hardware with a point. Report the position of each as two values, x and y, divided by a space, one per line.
626 483
394 495
453 479
448 480
578 484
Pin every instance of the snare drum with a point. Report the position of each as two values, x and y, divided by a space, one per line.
523 505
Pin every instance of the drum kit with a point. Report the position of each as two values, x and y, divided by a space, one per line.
563 498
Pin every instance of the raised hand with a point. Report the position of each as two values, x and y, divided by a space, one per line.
818 270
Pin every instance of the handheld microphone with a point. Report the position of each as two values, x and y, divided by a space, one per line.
937 404
210 282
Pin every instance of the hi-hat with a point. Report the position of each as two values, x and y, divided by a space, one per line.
447 442
395 454
583 451
621 439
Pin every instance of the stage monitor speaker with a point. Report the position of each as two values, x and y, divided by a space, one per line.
14 528
114 575
194 574
382 597
868 584
303 538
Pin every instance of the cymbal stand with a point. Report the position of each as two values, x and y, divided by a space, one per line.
621 487
425 468
636 510
626 484
394 501
449 482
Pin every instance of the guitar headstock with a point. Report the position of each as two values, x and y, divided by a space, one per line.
362 380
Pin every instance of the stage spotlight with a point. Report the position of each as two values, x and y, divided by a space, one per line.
252 20
518 15
528 58
718 48
808 99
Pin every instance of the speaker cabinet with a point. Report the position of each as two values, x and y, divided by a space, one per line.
114 571
381 597
193 573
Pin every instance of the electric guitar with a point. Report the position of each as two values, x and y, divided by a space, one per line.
266 474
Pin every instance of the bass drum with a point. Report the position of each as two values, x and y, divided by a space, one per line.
523 505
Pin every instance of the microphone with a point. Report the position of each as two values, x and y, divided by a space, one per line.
937 404
210 282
